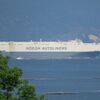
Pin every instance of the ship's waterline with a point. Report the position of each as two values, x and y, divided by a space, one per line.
53 55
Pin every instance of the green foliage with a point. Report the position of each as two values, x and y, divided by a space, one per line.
3 62
2 96
27 92
42 97
12 87
10 78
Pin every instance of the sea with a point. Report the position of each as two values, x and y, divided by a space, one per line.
62 79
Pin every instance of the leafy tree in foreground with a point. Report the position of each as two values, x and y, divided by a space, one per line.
11 85
27 92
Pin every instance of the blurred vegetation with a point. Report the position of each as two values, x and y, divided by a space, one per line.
12 87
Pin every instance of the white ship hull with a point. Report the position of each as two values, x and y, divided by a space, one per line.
75 48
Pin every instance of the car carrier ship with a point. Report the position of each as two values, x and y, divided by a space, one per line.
50 49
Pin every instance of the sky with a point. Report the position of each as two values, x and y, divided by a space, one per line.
25 20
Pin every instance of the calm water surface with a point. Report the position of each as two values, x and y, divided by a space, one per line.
80 76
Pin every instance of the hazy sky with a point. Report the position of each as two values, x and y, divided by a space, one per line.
48 19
